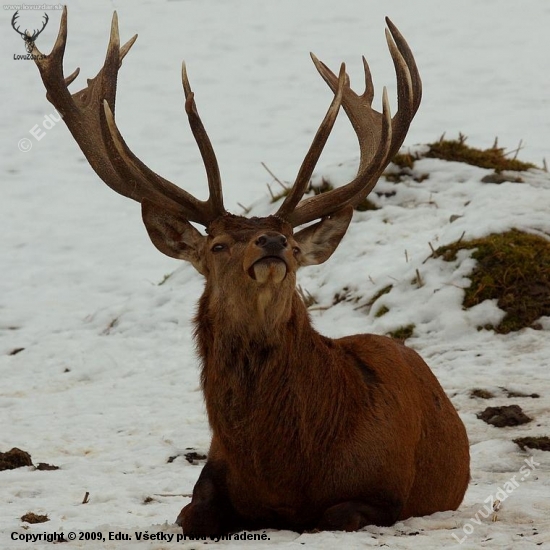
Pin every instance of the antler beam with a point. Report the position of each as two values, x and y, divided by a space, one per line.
379 136
89 115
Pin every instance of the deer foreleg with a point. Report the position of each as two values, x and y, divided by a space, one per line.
210 511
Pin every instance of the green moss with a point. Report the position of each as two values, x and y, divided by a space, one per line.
456 150
366 204
371 301
512 268
382 311
495 158
405 160
346 295
165 278
402 333
377 295
380 293
405 165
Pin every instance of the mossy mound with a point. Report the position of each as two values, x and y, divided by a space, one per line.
494 158
402 333
512 268
404 160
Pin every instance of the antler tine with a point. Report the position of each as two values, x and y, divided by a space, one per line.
36 32
409 87
14 21
379 136
158 190
51 70
409 61
357 108
89 116
204 144
308 165
327 203
368 94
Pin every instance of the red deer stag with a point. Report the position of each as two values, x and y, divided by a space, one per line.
307 432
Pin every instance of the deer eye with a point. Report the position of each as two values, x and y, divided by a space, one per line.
218 247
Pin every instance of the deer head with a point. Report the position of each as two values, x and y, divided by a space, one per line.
253 254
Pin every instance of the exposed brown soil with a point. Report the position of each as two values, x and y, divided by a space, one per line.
500 417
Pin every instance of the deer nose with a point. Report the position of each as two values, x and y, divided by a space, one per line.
272 242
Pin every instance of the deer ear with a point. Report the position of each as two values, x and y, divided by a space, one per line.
318 241
173 235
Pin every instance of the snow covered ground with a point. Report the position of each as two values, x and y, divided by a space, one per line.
107 387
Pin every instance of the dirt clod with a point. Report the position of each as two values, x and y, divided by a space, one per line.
540 443
194 457
31 517
511 393
482 394
500 417
44 466
15 458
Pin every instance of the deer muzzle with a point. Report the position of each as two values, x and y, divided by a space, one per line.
271 265
269 268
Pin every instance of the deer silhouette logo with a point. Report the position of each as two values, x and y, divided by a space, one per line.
27 36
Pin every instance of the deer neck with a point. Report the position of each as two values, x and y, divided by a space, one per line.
243 359
228 328
257 316
259 370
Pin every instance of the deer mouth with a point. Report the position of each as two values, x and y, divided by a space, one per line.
268 268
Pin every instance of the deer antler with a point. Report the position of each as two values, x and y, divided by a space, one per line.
89 115
16 29
379 136
37 31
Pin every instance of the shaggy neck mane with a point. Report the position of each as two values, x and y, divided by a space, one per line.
254 380
236 334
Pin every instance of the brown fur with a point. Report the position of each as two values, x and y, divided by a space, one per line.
308 432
